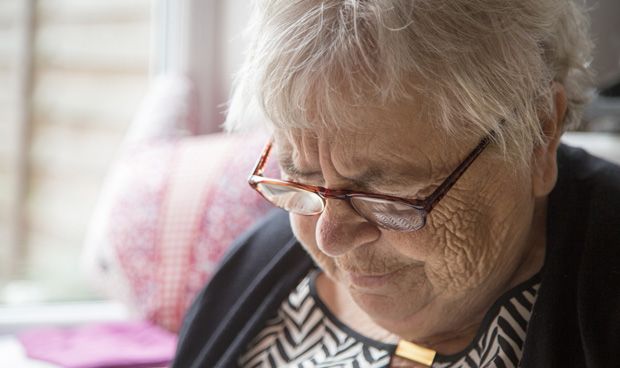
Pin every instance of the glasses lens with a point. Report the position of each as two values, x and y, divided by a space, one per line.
292 199
392 215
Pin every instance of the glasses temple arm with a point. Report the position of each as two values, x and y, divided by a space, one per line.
260 164
441 191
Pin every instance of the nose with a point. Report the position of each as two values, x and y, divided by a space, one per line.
340 229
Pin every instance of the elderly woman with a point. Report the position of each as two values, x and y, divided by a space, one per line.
434 217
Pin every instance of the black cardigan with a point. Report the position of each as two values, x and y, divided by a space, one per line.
575 321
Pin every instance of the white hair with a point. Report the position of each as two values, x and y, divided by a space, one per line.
472 63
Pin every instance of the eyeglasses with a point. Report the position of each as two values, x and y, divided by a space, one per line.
388 212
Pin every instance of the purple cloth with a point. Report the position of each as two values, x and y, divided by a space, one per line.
109 345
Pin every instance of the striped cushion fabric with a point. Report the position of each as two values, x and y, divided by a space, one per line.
174 208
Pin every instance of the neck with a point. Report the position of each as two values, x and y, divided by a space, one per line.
534 257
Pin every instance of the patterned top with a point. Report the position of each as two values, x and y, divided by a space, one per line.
305 333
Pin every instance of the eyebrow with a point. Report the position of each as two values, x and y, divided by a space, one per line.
371 177
288 166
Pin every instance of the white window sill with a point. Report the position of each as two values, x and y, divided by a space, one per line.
14 319
18 318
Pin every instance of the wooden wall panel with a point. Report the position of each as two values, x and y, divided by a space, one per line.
95 11
90 73
87 100
118 48
9 13
59 208
6 188
67 152
7 117
8 10
8 147
91 70
8 47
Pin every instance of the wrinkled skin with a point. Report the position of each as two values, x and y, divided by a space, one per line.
485 236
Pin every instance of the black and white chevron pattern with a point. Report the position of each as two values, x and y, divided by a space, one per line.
304 335
501 345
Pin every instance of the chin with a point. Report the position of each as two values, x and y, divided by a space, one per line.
391 309
377 306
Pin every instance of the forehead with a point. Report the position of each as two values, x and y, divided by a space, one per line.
388 141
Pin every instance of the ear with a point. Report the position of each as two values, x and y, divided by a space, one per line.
544 164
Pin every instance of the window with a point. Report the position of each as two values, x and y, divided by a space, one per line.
75 71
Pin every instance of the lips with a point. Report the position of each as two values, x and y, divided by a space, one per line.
373 281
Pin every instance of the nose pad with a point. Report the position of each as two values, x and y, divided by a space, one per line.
340 228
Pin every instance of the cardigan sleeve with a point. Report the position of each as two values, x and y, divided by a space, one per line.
576 319
260 270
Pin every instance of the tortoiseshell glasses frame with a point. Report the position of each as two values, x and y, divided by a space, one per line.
388 212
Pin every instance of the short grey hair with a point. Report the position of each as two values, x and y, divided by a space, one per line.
473 62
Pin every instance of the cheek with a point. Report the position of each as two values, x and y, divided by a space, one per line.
460 246
470 242
304 229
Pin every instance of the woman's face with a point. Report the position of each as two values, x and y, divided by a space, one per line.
451 269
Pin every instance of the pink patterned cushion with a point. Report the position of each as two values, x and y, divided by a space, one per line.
175 208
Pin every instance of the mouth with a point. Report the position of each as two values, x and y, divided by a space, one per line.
373 281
